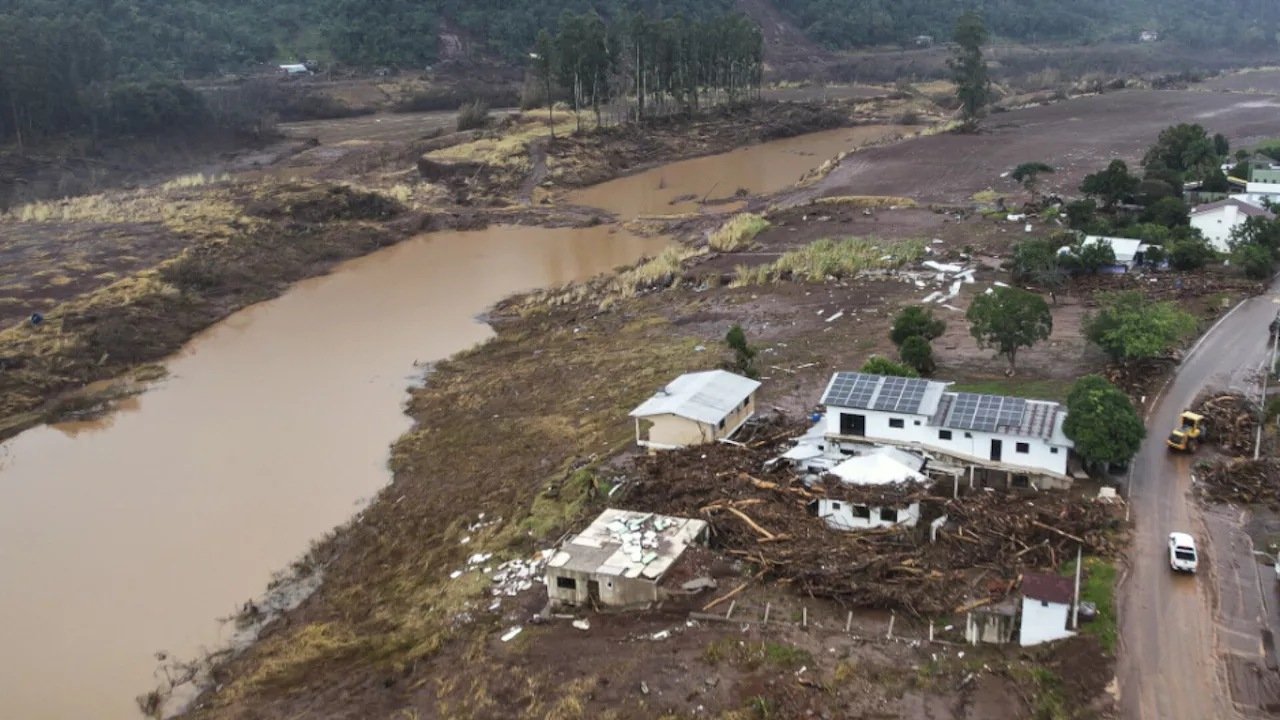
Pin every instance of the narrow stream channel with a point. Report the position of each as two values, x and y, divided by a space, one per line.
130 535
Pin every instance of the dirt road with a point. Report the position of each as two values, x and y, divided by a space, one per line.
1185 640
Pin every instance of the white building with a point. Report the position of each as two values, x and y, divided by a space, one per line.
292 70
883 466
1046 608
695 408
1127 250
1016 440
1217 220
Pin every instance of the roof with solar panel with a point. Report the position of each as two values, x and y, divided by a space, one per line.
996 414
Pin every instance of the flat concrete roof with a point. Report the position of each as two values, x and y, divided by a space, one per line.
628 544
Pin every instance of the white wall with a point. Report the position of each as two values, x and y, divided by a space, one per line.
1040 454
839 516
1043 622
1217 225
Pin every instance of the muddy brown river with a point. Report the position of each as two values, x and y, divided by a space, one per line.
131 535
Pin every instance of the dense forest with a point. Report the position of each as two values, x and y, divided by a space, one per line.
843 24
105 66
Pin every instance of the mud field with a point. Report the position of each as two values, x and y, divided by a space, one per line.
1076 137
1261 82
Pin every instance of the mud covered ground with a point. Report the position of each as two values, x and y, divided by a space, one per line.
1076 137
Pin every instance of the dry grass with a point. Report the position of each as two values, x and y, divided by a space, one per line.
828 258
668 262
194 181
738 233
181 211
867 201
511 149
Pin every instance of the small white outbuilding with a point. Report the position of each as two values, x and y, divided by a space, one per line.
694 409
1046 608
1217 220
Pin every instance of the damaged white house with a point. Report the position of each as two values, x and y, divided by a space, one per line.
1002 441
883 466
694 409
620 560
1046 608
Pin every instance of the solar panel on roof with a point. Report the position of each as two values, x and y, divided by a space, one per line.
985 413
901 394
852 390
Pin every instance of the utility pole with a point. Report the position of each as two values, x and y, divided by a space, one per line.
1075 607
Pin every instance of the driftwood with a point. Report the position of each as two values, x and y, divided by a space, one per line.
724 597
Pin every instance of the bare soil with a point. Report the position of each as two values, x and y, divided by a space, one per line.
1076 137
1259 82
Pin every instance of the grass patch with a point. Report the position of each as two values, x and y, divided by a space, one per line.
509 150
668 262
867 201
1033 389
1048 702
753 655
988 197
738 233
1098 586
844 258
560 504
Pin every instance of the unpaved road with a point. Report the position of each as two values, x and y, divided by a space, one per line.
1189 643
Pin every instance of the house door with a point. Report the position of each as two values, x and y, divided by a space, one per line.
853 424
996 447
593 591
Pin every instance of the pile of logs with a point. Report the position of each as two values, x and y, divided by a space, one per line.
1242 481
1231 421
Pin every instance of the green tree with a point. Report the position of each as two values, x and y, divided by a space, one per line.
880 365
1128 326
1009 319
744 355
544 64
1028 173
1169 212
1215 181
1102 422
1254 245
1187 150
1081 213
1191 252
1037 261
1094 256
1222 145
1112 185
969 69
915 321
918 354
1241 171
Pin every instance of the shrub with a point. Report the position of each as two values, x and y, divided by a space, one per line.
879 365
738 233
915 321
1190 253
472 115
918 354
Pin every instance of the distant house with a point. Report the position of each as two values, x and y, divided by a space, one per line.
620 560
883 466
924 41
1217 220
695 408
1148 36
1128 251
1046 608
1007 441
292 70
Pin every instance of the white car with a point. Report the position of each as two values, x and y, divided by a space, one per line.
1182 552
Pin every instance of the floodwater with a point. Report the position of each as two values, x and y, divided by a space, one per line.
757 169
130 535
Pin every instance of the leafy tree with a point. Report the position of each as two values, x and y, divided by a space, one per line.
1009 319
1081 213
1254 245
969 69
1241 171
880 365
1092 257
1102 422
1037 261
915 321
1028 173
1185 149
918 354
1215 181
1221 145
1154 189
1257 261
1128 326
744 355
1190 253
1112 185
1169 212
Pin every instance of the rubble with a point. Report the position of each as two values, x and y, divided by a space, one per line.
1141 379
1242 481
1231 421
758 512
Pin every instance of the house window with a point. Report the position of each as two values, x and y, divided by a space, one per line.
1021 481
746 402
944 434
862 511
917 423
896 423
1053 450
835 506
1044 603
721 424
566 583
1023 448
968 435
888 515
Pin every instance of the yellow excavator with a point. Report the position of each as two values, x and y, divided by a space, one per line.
1189 433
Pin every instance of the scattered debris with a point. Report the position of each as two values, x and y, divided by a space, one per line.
1243 481
583 624
1231 420
510 635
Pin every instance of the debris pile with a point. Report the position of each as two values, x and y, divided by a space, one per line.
1231 421
760 514
1243 481
1141 378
